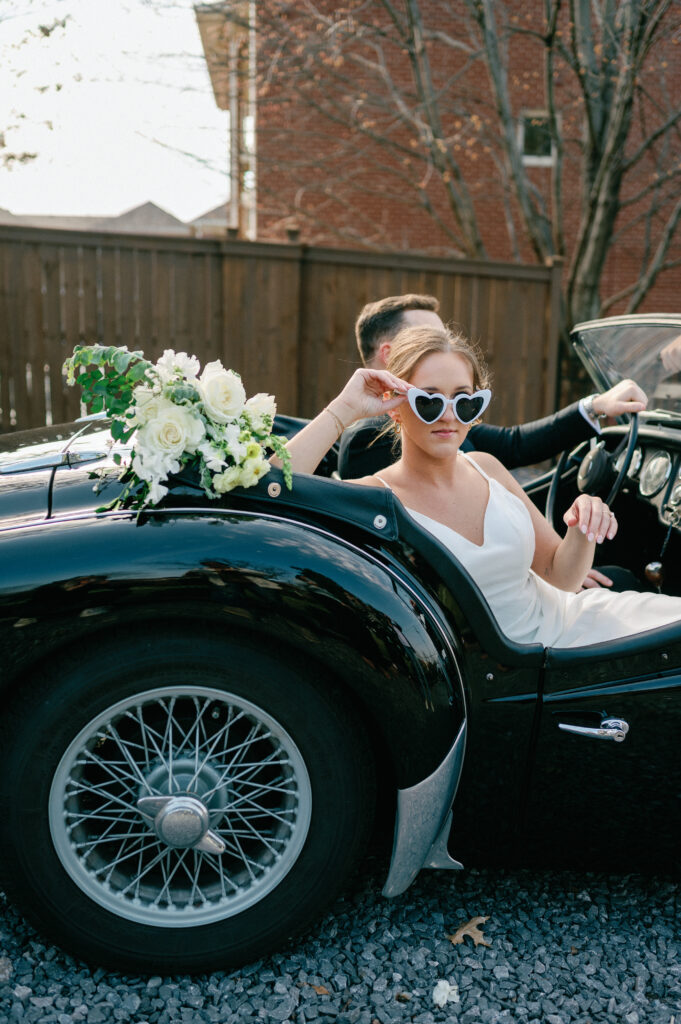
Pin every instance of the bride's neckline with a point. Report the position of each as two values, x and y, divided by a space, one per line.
443 526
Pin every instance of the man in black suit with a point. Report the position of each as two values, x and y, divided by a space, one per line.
364 450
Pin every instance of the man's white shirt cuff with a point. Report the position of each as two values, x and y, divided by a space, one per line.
592 420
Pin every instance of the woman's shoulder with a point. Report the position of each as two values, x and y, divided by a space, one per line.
369 481
489 464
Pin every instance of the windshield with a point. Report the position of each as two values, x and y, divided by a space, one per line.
647 349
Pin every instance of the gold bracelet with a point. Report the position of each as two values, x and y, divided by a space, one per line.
340 427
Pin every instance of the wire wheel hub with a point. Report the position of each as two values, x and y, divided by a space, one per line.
180 806
182 822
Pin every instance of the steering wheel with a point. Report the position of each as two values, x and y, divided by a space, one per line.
595 468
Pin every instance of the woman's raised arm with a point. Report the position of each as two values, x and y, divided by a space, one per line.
362 396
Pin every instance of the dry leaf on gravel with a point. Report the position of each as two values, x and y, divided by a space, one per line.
472 929
445 992
321 990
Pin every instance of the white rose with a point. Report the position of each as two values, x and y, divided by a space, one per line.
259 406
222 392
172 431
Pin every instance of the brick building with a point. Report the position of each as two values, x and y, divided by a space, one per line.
349 129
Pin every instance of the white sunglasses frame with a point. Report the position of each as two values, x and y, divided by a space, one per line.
413 393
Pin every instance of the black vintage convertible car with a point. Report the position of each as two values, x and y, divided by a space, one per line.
206 709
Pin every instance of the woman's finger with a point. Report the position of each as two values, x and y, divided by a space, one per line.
613 526
604 524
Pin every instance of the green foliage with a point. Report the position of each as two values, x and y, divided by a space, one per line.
108 376
278 446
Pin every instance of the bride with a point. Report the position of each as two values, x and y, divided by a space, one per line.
433 390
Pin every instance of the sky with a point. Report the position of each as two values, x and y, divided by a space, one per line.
117 105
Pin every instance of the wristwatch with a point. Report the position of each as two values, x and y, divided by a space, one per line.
588 406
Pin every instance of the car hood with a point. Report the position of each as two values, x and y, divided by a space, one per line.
30 459
639 347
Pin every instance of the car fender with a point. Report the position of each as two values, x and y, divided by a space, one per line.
292 585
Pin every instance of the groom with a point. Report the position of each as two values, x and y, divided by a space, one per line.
363 451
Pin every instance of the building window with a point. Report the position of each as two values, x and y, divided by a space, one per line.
534 139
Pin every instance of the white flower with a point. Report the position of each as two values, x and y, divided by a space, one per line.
253 469
222 392
223 482
173 430
258 407
445 992
212 456
154 466
172 363
156 492
145 405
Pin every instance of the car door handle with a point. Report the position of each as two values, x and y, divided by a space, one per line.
610 729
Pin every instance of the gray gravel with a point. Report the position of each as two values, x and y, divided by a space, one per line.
563 947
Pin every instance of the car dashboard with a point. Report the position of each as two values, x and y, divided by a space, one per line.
654 473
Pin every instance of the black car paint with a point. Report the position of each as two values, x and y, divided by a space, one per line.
310 569
76 576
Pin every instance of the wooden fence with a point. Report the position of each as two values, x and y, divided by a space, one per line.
282 315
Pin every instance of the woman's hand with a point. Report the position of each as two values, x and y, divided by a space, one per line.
592 517
363 395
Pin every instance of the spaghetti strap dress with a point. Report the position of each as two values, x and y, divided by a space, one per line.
527 608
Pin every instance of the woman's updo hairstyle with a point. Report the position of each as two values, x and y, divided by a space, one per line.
412 344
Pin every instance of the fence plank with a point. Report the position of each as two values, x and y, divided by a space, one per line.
33 334
281 315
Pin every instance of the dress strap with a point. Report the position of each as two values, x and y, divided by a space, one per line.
473 463
383 481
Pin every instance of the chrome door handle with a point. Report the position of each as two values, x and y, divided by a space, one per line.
610 729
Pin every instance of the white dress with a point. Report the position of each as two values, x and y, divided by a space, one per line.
526 607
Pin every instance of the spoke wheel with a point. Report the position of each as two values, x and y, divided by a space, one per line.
180 803
145 789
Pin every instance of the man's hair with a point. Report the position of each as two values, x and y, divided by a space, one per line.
383 319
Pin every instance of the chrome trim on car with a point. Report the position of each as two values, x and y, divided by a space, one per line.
424 815
610 729
48 461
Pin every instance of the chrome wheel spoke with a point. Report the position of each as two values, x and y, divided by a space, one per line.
203 756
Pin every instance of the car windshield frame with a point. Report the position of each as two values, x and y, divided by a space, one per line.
630 347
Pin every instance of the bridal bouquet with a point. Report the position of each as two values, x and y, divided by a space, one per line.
173 417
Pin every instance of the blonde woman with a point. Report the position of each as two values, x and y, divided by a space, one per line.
434 388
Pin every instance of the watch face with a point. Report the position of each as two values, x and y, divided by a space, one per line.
655 474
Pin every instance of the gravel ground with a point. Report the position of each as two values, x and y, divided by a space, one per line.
561 947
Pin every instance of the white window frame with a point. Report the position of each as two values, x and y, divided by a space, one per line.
530 160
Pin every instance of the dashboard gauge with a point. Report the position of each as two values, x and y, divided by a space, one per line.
634 465
655 474
675 497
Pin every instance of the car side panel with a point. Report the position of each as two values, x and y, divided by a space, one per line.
613 804
295 588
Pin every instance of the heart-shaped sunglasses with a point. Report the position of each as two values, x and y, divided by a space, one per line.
431 407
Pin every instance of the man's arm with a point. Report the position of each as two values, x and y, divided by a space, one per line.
542 439
533 442
363 451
